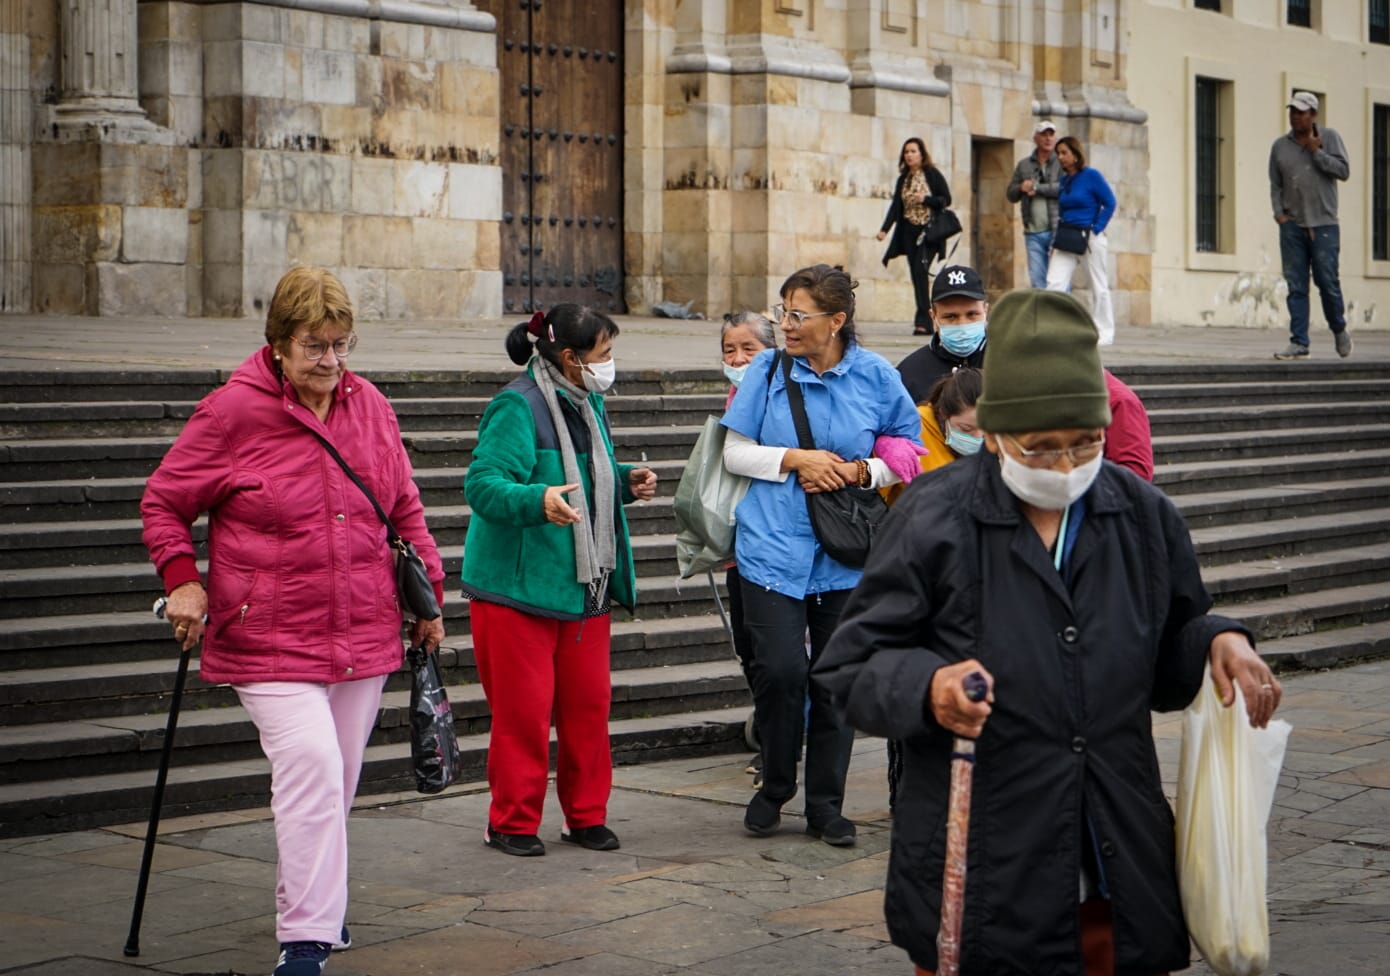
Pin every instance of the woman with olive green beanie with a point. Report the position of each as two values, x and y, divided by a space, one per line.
1072 585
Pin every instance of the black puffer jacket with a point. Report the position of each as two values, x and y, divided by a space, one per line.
958 572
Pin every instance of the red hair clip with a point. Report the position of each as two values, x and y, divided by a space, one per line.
537 321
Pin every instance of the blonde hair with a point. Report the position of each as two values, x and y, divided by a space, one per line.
312 297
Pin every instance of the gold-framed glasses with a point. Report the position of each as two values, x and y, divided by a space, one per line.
798 319
316 349
1077 453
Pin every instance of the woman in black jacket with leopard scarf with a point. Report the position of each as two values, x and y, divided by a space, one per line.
921 191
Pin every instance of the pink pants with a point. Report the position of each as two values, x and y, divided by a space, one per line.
314 736
532 668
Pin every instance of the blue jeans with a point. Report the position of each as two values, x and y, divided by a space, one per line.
1317 247
1038 243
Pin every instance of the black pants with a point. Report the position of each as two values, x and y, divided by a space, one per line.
781 670
919 259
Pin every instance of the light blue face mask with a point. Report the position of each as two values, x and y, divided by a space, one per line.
962 340
735 373
963 444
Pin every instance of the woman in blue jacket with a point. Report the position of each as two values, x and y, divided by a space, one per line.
1085 201
789 583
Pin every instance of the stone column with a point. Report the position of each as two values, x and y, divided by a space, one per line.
15 162
100 77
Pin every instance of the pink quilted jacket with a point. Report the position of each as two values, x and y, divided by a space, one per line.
301 584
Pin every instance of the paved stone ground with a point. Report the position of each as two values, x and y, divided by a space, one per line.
688 894
71 342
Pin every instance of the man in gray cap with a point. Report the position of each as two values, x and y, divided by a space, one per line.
1036 182
1304 167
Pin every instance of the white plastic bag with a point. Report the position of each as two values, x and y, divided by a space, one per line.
1226 781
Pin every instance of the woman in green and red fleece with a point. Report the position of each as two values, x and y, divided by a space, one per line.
546 553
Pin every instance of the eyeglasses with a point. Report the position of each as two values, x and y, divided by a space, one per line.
316 349
781 313
1077 454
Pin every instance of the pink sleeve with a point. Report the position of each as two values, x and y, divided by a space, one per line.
191 479
408 512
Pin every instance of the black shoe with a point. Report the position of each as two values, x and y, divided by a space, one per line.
302 958
344 942
921 330
521 845
763 816
837 832
595 838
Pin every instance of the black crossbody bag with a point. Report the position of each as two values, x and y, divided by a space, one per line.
844 521
412 581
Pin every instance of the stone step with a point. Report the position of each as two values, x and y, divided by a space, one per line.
126 457
77 419
1237 474
109 541
55 567
96 688
1229 445
1241 389
118 744
1307 613
1281 501
1306 572
47 806
57 500
1221 544
1329 648
44 592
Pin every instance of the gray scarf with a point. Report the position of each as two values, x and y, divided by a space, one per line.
595 539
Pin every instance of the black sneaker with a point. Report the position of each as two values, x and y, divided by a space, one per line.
301 958
520 845
837 832
344 941
595 838
763 817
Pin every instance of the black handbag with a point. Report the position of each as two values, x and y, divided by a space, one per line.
844 521
412 580
1072 238
434 746
943 225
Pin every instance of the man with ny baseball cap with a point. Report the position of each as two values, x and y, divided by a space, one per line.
1304 167
1036 182
958 314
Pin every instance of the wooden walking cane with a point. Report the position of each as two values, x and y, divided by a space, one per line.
132 942
957 838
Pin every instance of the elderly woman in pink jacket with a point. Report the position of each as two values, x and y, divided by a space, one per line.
300 603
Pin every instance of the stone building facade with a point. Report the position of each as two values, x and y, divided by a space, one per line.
175 156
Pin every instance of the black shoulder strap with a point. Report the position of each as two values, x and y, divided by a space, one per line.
393 537
803 425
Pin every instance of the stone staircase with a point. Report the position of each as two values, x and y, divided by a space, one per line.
1282 470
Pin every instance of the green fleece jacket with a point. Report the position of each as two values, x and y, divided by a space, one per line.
512 555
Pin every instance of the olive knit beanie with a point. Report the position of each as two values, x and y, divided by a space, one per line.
1042 371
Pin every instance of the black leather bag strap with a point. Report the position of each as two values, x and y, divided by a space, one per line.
393 538
798 403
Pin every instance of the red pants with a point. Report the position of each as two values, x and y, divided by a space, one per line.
1097 940
532 667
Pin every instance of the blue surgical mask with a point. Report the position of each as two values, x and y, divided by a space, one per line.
962 444
962 340
735 373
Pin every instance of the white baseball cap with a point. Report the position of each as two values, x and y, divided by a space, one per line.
1304 101
1044 126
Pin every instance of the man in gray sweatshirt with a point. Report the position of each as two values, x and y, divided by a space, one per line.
1304 167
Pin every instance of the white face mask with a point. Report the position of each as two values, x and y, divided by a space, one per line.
598 377
1042 487
735 373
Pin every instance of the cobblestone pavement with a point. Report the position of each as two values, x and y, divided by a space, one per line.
689 893
76 342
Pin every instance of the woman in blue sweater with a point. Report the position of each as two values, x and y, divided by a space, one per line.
1085 201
